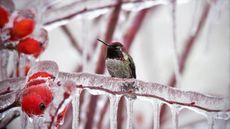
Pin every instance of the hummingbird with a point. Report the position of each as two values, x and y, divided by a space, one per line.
118 62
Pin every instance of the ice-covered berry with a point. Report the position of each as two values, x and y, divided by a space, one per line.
35 99
4 16
22 27
30 46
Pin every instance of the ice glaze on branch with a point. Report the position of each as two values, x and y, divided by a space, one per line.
103 85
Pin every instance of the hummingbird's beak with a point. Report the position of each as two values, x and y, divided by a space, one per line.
103 42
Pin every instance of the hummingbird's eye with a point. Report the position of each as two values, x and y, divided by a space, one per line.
42 106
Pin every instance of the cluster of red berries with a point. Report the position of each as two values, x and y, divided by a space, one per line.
20 31
37 94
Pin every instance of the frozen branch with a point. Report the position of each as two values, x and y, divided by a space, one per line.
67 12
101 85
72 39
6 118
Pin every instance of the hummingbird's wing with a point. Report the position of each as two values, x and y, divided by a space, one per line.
132 66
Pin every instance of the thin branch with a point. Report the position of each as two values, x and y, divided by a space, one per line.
72 39
10 116
131 33
108 37
190 43
68 16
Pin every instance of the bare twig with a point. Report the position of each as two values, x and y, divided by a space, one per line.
69 16
72 39
131 33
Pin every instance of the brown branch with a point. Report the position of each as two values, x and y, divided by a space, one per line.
131 33
72 39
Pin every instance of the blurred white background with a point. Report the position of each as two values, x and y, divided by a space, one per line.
207 68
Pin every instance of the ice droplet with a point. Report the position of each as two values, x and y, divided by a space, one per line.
76 107
114 101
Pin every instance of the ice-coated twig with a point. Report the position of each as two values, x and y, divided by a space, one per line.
67 12
174 44
72 39
219 107
8 116
132 31
9 90
166 94
163 93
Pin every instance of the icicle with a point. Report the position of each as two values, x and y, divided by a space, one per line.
114 101
175 112
156 114
76 106
14 62
22 63
210 122
4 54
129 104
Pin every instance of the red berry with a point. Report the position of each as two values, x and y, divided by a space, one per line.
22 27
41 75
4 16
30 46
35 99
